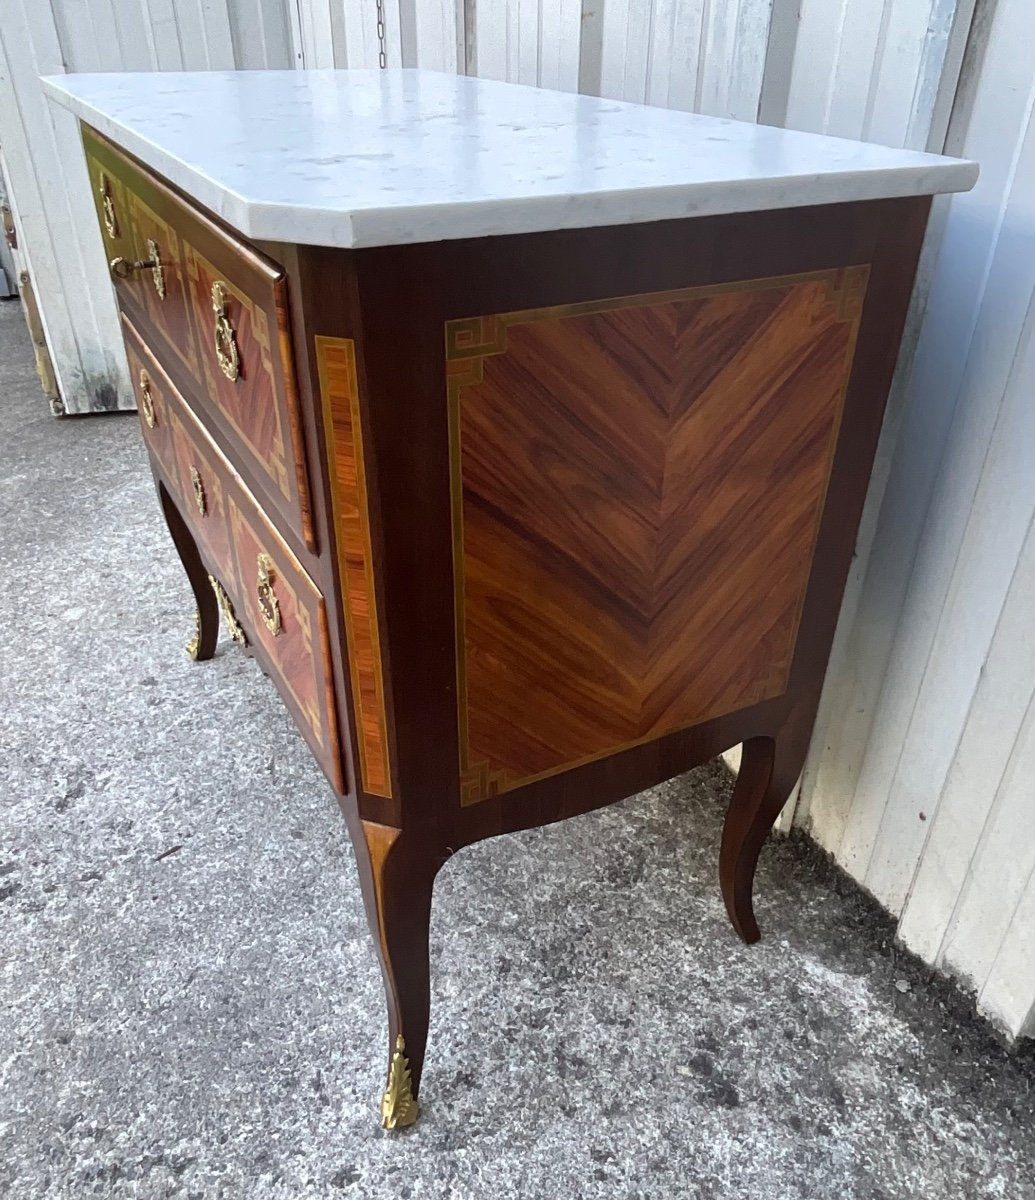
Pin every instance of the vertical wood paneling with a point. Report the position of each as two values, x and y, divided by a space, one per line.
320 36
831 77
1008 994
875 70
920 774
627 30
872 718
689 54
560 28
260 31
360 32
998 519
971 866
438 43
529 41
930 680
732 64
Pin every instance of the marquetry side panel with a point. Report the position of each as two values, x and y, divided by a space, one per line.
637 487
339 388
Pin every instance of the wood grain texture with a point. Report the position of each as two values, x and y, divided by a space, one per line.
230 535
339 388
296 657
144 369
623 572
398 871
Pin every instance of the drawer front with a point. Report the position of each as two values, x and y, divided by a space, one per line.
194 472
152 393
200 478
219 316
281 610
285 618
133 231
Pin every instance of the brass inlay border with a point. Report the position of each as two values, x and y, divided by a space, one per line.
339 396
470 340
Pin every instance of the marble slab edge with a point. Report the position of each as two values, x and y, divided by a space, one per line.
410 224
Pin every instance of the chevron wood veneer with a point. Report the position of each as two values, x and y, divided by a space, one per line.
624 571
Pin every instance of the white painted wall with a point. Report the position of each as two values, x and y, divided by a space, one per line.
702 55
920 778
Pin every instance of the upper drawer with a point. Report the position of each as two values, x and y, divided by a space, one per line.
214 312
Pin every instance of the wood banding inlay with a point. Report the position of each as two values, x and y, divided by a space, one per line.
339 389
637 489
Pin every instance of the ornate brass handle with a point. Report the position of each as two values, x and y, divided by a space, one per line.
147 408
122 268
199 490
269 606
111 223
223 336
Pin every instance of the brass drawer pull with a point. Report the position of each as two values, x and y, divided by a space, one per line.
223 335
147 407
269 606
199 490
111 223
122 268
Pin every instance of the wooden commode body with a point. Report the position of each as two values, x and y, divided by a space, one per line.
523 521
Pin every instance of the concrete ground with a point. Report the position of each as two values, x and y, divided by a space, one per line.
191 1003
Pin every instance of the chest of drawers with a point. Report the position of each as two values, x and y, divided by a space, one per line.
524 508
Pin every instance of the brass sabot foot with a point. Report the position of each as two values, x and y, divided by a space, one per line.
195 642
398 1106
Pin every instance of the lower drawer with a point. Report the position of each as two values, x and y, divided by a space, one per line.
278 609
195 472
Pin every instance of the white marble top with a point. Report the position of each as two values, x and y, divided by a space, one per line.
371 158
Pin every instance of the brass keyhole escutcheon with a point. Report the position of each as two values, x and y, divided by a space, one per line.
147 408
269 606
223 336
157 270
111 223
199 491
123 268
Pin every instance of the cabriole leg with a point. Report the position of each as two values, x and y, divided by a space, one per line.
397 879
769 769
206 632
